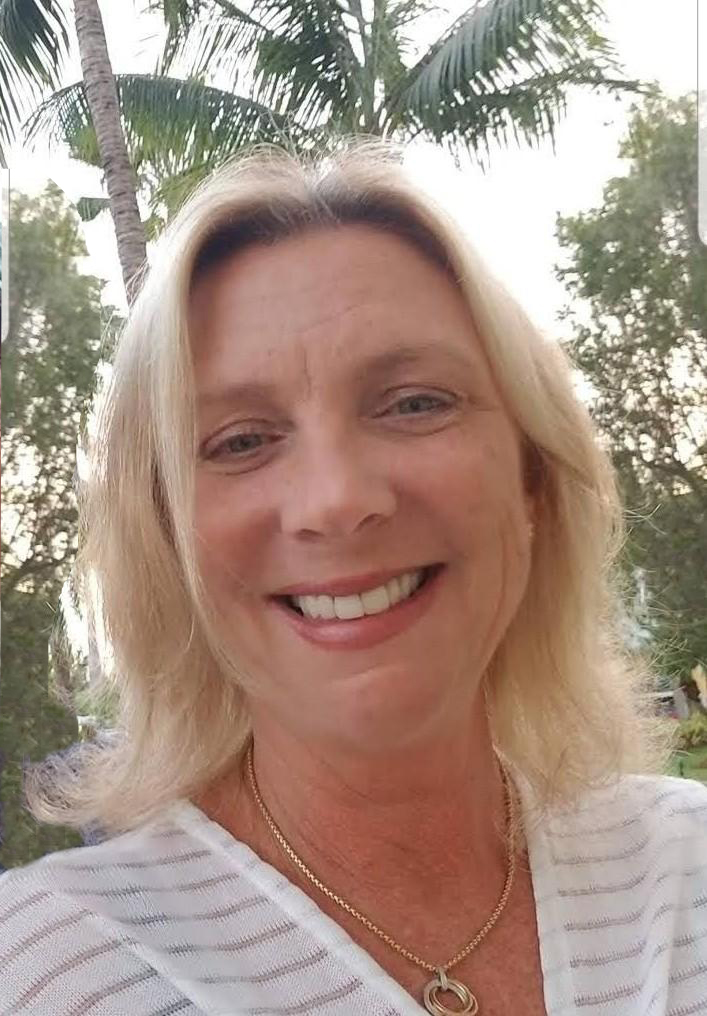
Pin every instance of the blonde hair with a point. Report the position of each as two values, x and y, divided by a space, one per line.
563 694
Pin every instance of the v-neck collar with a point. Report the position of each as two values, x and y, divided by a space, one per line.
557 983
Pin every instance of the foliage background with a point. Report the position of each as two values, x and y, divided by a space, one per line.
57 327
636 274
633 272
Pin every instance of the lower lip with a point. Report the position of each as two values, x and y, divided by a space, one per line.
367 631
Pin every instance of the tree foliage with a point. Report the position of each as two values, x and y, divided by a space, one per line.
49 366
638 272
304 72
33 40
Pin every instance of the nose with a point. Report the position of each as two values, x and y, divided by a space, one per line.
336 487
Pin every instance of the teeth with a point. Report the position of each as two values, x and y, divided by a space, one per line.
348 607
372 601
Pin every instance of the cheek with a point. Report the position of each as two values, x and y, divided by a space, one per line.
225 529
210 517
230 562
506 524
480 491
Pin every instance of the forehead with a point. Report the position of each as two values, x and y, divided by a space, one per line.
337 292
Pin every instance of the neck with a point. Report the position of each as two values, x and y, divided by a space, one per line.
425 819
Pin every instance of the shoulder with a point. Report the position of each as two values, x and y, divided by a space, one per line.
639 844
96 866
650 808
62 936
632 819
622 879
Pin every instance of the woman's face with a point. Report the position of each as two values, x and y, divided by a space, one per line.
349 431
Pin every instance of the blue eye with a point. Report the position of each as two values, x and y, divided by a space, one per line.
242 442
421 404
239 444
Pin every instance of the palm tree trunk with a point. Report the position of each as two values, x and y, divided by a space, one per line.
102 98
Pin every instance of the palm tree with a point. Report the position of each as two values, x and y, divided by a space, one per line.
102 101
33 40
314 69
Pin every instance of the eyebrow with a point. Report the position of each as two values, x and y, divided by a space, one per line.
371 368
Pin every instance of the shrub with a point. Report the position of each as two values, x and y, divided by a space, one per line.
692 732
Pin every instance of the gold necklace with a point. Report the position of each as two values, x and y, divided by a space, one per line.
440 982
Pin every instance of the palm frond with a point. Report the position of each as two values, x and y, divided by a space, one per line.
299 53
35 32
498 49
179 16
88 208
308 66
10 84
33 40
526 112
170 125
389 45
168 193
213 35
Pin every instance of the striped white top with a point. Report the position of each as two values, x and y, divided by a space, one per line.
179 917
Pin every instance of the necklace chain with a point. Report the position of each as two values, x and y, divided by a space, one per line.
480 935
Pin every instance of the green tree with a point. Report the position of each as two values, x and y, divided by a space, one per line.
49 366
638 272
303 72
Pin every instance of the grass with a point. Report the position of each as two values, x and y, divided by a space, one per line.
694 764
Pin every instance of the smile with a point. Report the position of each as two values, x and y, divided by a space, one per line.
370 601
361 620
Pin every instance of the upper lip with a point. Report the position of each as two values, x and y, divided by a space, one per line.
346 586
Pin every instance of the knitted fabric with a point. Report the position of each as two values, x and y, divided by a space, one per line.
178 917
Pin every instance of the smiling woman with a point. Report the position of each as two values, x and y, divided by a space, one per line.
380 746
379 448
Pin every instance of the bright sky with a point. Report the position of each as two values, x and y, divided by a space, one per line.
510 211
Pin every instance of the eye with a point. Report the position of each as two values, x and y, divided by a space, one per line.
239 445
420 403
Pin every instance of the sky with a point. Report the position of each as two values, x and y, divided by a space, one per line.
509 212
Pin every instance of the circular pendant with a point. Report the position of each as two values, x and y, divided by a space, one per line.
443 983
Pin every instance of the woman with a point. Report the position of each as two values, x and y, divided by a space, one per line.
352 533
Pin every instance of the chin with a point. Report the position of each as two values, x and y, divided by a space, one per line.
388 704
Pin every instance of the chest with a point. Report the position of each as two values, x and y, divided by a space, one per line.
503 972
503 985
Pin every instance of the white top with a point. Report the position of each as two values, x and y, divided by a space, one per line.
179 917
